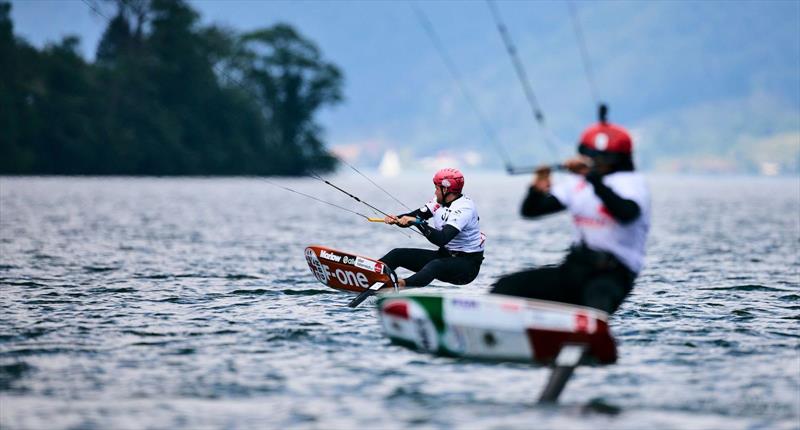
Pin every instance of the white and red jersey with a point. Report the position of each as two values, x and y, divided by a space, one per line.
463 215
594 225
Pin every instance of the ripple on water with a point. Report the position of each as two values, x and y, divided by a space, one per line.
153 343
9 373
240 276
288 334
100 269
795 335
25 334
24 283
212 333
180 351
742 314
747 287
307 292
179 300
49 302
146 333
105 290
254 292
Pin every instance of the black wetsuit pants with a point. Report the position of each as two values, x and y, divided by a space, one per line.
586 277
454 268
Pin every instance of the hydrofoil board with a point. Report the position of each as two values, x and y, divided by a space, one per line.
347 272
496 327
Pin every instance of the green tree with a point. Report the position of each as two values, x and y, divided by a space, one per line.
292 82
117 40
9 97
67 141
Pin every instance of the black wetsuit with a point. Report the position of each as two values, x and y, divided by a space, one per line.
586 277
448 266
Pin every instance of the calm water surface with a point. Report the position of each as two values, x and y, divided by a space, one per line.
187 303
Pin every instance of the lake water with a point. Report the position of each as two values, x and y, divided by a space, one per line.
187 303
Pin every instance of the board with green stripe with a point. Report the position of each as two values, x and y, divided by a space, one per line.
495 327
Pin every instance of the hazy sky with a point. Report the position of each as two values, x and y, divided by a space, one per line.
652 60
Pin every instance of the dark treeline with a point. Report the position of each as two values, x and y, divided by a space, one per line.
165 96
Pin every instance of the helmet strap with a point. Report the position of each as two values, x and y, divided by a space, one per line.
444 192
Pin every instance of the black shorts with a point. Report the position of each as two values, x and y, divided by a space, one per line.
586 277
446 266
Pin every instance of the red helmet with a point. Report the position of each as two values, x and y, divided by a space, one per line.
449 178
605 137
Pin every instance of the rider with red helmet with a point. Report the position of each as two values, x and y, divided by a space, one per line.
449 221
610 207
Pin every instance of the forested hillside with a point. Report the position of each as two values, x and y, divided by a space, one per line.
165 96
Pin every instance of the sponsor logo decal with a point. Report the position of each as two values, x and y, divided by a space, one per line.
427 337
411 323
321 271
581 323
360 262
330 256
368 264
324 274
397 309
601 141
510 307
346 277
465 303
585 221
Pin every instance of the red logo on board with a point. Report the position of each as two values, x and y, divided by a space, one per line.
581 323
397 309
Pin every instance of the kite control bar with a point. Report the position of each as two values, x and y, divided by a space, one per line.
531 169
418 221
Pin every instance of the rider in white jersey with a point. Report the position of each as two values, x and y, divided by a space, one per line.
610 207
455 230
595 227
462 214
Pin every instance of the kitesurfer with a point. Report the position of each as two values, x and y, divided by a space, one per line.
610 206
455 230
